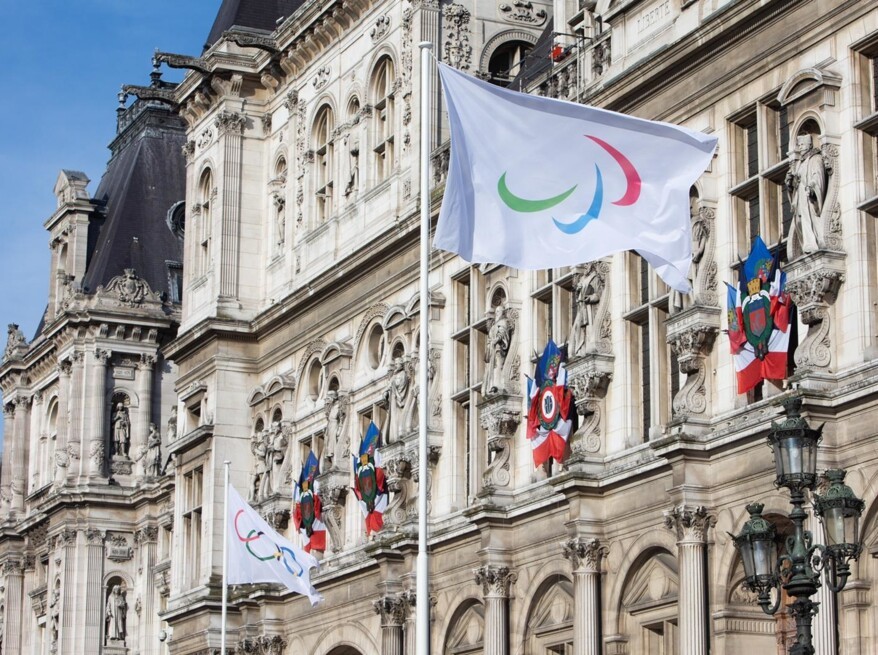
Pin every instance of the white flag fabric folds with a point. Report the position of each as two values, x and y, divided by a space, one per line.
259 554
540 183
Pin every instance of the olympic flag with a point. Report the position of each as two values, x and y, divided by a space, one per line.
259 554
540 183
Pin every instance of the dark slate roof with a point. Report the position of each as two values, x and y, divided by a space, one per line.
254 14
144 180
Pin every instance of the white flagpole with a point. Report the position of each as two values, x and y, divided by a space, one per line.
422 601
225 559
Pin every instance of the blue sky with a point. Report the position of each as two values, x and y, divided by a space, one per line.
63 64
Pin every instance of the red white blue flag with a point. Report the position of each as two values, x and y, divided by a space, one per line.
370 485
759 319
551 416
308 510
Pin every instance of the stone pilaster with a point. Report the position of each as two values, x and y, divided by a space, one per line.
496 583
13 572
392 611
6 481
98 392
230 126
19 452
585 555
140 434
691 524
410 636
77 429
94 601
67 539
147 541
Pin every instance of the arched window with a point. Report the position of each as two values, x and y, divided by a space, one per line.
383 118
507 62
323 164
204 209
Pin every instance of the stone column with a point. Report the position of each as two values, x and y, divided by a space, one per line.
690 525
409 599
230 126
146 539
19 453
69 612
392 611
13 571
496 582
140 434
94 592
6 481
61 458
585 555
77 425
37 454
98 391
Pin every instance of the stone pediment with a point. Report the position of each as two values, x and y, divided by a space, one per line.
805 82
656 583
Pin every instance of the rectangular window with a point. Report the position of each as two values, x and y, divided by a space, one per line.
193 498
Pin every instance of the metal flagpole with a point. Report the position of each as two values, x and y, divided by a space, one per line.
422 601
225 559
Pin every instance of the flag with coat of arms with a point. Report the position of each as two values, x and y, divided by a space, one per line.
551 417
759 319
370 485
538 183
308 510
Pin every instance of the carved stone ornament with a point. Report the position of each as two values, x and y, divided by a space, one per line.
589 378
262 645
703 270
522 11
813 281
499 417
690 523
118 548
691 335
188 149
321 79
398 472
591 330
392 609
601 56
812 186
130 289
457 48
205 138
502 363
382 26
585 554
16 343
230 122
334 487
495 580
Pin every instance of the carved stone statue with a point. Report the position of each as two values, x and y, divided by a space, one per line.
121 430
153 464
115 615
354 177
700 236
275 453
806 185
15 340
55 614
496 351
333 442
259 448
586 295
397 398
281 220
171 430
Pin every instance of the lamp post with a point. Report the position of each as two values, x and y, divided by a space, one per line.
798 571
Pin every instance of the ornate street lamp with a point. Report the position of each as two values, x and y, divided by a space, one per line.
794 444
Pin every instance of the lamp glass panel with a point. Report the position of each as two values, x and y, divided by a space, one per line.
833 519
763 559
746 550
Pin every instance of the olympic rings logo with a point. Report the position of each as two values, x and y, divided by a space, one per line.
277 553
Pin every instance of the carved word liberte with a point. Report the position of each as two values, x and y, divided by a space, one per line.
653 16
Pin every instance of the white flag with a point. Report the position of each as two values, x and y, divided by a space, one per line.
540 183
259 554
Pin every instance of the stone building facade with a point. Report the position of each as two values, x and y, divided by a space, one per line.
299 325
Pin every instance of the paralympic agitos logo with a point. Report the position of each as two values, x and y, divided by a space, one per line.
632 193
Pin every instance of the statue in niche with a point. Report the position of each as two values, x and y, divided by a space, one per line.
496 351
55 614
275 454
115 615
121 430
259 449
171 430
281 218
806 186
700 235
586 296
333 453
354 177
396 397
153 464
